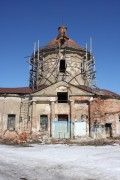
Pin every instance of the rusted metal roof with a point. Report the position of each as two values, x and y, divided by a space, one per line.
101 92
69 43
19 90
85 88
63 39
104 92
28 90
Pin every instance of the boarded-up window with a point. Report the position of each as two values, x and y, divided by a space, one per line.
11 122
44 122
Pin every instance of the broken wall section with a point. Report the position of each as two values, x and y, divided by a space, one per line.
105 117
14 118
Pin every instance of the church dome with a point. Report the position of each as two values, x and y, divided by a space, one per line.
69 43
62 37
60 60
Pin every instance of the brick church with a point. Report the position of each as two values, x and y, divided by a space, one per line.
61 100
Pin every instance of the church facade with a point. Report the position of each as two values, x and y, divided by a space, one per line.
61 100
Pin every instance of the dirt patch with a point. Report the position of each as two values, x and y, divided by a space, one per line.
75 142
86 142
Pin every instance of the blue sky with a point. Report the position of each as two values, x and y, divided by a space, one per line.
22 22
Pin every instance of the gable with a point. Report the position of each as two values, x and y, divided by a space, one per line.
61 87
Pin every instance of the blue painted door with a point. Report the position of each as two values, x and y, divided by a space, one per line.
62 129
79 129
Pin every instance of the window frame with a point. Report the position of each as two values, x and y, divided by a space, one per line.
43 125
11 118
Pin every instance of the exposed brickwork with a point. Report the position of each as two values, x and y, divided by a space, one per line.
105 111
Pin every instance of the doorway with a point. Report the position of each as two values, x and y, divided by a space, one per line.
108 128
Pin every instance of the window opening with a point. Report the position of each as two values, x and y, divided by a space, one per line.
119 117
62 97
81 68
44 122
62 67
42 65
11 122
108 127
62 117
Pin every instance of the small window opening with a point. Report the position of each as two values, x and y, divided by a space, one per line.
119 117
62 67
11 122
62 117
81 68
62 97
44 122
42 65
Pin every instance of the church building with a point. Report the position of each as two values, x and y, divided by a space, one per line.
62 100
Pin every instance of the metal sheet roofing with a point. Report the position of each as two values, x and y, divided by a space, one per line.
28 90
18 90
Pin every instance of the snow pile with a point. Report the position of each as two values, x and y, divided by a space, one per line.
59 162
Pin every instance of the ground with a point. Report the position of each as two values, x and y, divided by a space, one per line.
59 162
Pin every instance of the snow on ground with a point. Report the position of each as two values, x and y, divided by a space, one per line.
59 162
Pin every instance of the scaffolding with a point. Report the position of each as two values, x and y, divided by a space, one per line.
85 65
35 62
89 69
